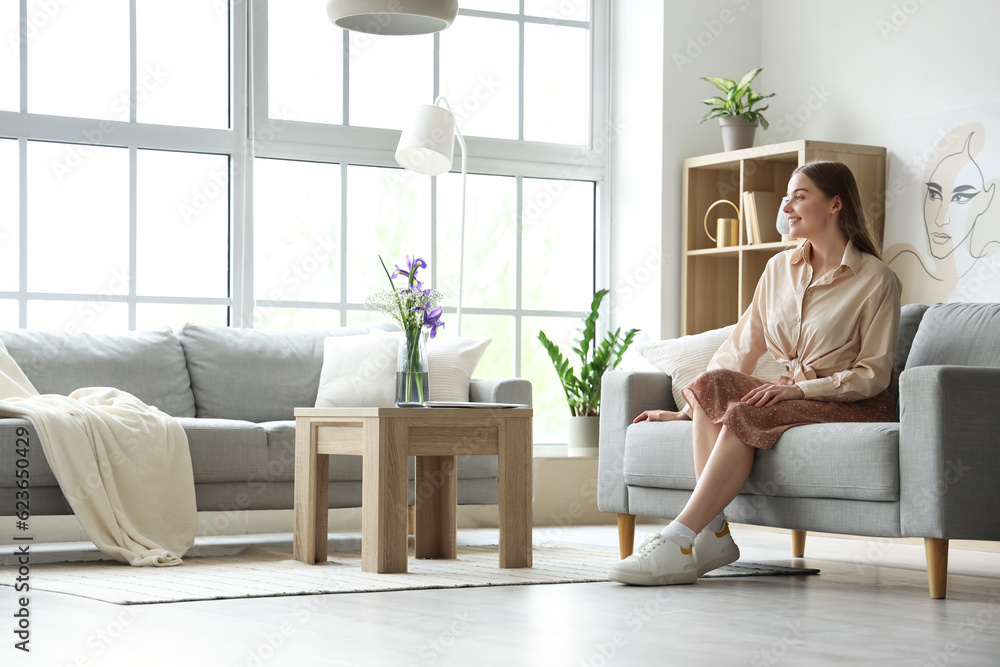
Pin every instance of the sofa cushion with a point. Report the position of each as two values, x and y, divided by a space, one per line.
226 450
855 461
957 334
147 364
910 316
255 375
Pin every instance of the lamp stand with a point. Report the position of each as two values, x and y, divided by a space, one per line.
461 234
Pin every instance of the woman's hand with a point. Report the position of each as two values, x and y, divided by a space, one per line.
659 416
769 394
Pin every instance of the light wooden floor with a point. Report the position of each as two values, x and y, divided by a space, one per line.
868 606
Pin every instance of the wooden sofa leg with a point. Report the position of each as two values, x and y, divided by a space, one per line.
626 534
937 566
411 519
798 543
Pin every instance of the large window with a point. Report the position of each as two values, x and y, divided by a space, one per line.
148 181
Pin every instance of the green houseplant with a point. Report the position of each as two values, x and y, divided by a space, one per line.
583 388
735 111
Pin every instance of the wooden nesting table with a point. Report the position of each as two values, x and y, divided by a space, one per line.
384 438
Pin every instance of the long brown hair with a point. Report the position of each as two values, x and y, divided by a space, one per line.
836 179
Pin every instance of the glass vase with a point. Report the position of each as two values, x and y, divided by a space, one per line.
412 386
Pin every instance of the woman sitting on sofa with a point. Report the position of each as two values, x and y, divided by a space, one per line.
828 310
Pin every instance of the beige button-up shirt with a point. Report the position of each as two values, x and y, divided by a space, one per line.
835 334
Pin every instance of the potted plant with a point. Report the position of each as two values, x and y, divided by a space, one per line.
735 111
583 389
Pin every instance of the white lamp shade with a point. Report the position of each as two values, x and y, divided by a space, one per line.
428 144
393 17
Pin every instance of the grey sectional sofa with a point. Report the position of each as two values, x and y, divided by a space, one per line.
234 392
934 474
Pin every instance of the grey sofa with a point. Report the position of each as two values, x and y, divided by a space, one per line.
234 392
934 474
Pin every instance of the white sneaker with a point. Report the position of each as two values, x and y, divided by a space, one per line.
658 562
713 549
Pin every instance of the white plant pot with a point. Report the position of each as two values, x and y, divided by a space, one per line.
584 436
737 133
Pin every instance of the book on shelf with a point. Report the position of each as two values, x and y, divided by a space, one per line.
761 213
748 224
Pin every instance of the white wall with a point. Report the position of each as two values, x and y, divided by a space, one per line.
842 70
659 104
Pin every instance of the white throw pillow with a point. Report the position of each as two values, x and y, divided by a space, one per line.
451 363
687 357
359 371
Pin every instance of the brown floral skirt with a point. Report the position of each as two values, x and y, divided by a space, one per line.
718 393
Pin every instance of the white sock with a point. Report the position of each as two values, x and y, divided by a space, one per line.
717 523
679 534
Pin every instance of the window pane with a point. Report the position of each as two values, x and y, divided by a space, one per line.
9 216
10 58
363 318
389 75
78 219
556 84
153 315
490 240
270 317
296 231
479 72
573 10
8 314
551 410
73 316
557 244
305 63
388 214
182 63
182 224
506 6
498 360
78 58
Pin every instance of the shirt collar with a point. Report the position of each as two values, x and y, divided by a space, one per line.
851 259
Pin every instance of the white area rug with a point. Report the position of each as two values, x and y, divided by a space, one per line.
259 572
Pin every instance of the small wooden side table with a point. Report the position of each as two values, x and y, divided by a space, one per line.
385 437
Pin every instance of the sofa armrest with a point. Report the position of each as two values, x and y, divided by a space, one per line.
624 394
505 390
948 456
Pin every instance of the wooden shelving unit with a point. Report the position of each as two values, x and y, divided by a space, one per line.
717 284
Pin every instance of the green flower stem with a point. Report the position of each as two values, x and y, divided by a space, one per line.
413 362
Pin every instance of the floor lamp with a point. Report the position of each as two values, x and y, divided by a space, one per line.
427 146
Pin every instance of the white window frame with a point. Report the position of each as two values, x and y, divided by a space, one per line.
24 126
375 147
250 135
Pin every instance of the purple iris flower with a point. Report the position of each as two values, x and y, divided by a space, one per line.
411 268
432 318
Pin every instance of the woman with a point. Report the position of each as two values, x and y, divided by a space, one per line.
828 310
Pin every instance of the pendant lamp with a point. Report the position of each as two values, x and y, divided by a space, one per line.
393 17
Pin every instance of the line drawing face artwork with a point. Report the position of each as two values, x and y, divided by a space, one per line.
961 219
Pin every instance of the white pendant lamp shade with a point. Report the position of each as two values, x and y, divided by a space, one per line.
393 17
427 146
